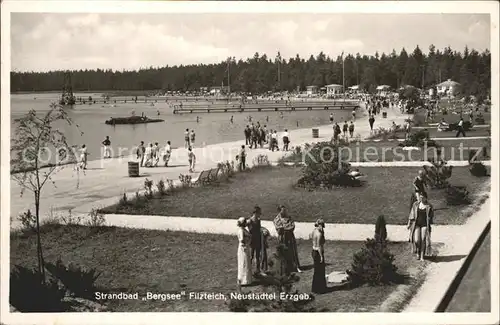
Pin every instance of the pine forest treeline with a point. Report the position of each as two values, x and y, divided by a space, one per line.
261 73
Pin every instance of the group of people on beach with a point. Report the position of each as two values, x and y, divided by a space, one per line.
150 155
253 243
257 136
347 129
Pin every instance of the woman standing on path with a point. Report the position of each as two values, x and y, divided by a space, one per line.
420 221
285 227
371 120
318 256
351 129
244 258
191 160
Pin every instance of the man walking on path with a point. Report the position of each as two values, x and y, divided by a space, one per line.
371 120
166 154
192 138
336 132
255 138
351 129
107 149
141 150
156 154
254 226
247 133
345 128
460 128
243 156
149 156
286 140
186 139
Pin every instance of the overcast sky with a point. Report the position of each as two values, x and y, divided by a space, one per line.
42 42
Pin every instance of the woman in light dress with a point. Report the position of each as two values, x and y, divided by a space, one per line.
244 257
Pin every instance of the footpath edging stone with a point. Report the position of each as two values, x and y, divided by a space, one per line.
450 292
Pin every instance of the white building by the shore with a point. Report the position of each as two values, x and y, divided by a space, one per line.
355 88
383 90
311 90
333 89
448 87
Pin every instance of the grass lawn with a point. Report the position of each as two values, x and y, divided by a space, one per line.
133 260
390 151
387 192
452 118
478 132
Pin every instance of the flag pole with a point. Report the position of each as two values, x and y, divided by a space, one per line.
343 75
228 82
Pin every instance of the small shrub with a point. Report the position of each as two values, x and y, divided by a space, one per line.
70 219
380 229
438 174
261 161
138 202
170 184
79 281
28 221
478 169
160 185
457 195
123 200
419 139
148 186
324 168
373 265
29 294
96 219
185 180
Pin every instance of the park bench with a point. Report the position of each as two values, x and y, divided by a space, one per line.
203 178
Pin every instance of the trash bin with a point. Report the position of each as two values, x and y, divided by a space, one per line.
384 114
315 133
133 169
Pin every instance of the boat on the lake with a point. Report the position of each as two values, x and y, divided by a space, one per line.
132 120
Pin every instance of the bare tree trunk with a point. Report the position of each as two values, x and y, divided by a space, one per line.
41 262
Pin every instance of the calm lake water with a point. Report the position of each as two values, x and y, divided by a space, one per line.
212 128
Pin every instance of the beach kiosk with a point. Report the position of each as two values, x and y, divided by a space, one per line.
311 90
354 89
448 87
333 89
383 90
